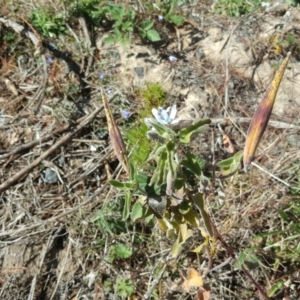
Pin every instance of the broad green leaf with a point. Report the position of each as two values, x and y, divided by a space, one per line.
201 126
161 128
193 164
199 202
192 217
138 211
177 20
164 224
146 25
160 173
153 35
126 208
109 40
230 165
176 249
184 235
145 187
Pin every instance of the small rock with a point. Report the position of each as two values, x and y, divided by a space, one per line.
114 54
140 72
49 176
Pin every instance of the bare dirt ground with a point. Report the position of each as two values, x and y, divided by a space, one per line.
54 242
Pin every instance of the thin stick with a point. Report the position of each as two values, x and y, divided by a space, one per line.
12 180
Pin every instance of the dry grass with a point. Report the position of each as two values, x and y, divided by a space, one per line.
57 234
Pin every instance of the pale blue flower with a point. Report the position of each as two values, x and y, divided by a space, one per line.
163 116
101 75
49 60
160 18
125 114
166 116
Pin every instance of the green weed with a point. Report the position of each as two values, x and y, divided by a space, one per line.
235 8
48 23
122 287
120 251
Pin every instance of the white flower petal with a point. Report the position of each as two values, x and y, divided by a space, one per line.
173 112
176 121
164 115
155 112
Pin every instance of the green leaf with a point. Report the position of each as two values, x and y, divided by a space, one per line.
144 186
122 185
124 287
177 20
184 235
138 211
184 207
110 39
171 162
193 164
199 127
199 202
146 25
160 173
132 172
278 286
122 251
230 165
152 35
161 128
126 208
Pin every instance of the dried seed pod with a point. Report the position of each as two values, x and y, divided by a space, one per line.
261 117
116 138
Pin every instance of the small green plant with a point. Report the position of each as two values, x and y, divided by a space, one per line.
147 31
120 251
124 287
153 95
49 24
235 8
169 14
124 21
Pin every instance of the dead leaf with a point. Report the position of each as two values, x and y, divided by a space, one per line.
194 279
204 293
116 138
228 144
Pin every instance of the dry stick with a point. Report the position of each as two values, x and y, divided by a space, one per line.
88 44
51 220
9 182
61 271
155 282
232 254
31 144
36 40
33 283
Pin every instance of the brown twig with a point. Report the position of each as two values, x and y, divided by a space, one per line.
231 252
29 145
24 172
